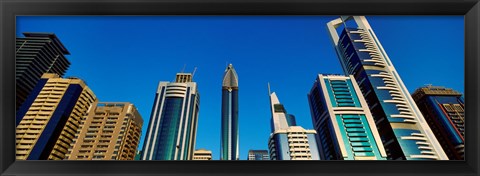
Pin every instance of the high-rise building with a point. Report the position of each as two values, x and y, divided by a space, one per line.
202 154
109 131
172 128
50 117
287 140
229 135
444 110
258 155
36 54
403 129
345 127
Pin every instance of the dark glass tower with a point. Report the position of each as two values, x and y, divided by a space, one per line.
36 54
229 134
402 127
444 110
171 133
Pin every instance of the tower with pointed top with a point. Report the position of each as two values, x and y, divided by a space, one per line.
229 134
287 140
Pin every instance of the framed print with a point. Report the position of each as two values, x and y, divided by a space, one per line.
155 87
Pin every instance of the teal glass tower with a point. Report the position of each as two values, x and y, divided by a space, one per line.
171 133
345 126
229 134
404 131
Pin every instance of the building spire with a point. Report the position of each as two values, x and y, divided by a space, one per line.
230 78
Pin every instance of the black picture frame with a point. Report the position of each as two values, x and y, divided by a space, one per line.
11 8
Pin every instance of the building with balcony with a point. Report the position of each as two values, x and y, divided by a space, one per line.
50 117
404 132
109 131
36 54
345 127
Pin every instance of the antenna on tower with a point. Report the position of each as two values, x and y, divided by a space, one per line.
183 69
194 70
269 93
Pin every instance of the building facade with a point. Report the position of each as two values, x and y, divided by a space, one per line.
345 127
404 132
36 54
287 140
171 132
229 134
202 154
258 155
49 118
109 131
444 110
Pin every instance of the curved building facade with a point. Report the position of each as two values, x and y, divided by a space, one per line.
171 133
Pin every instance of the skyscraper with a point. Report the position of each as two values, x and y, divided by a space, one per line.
109 131
172 128
288 141
50 117
202 154
345 127
36 54
444 110
258 155
229 135
404 132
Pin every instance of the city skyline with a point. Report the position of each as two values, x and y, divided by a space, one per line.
254 88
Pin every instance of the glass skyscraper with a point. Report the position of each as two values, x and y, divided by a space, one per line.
345 127
403 129
444 110
229 134
172 128
287 140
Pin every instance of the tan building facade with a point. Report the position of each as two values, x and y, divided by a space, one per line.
50 117
202 154
109 131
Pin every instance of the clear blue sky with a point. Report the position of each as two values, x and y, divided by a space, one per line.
123 58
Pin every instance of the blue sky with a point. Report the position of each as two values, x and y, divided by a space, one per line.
122 58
